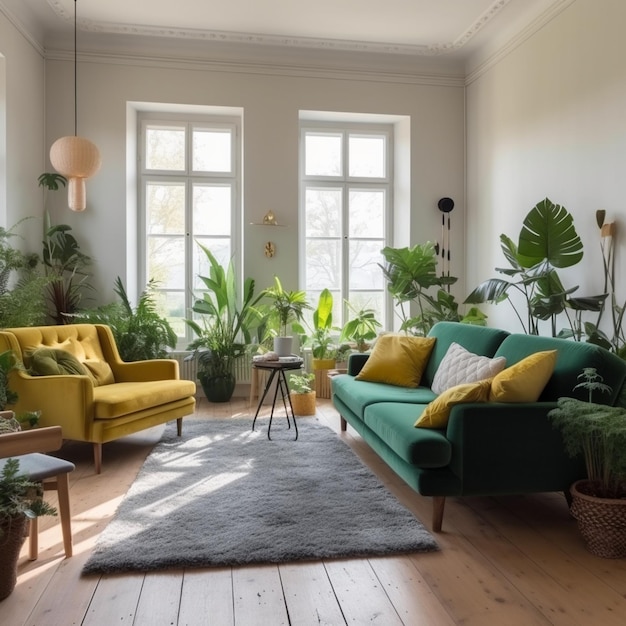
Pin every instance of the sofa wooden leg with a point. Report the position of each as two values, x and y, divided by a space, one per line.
179 426
344 424
438 505
97 457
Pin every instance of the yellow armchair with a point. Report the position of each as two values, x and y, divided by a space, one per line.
112 400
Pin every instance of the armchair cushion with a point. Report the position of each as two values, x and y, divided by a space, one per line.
52 361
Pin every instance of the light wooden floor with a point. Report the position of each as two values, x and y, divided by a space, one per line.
503 561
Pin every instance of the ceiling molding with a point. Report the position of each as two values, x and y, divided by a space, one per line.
547 16
284 41
22 30
267 68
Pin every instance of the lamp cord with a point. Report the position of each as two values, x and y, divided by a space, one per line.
75 77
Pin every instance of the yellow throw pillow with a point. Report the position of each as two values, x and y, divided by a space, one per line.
436 414
397 360
100 371
524 381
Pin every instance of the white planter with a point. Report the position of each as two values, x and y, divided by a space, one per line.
282 345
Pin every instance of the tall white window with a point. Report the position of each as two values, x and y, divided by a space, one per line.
346 199
190 194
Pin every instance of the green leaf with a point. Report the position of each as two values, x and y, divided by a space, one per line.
548 233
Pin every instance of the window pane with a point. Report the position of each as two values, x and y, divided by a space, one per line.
366 213
211 150
165 148
171 305
220 249
165 208
323 212
166 261
323 264
368 300
366 156
364 257
211 209
323 154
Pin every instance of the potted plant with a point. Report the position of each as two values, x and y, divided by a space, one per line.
598 432
224 329
20 500
319 337
302 393
361 328
287 307
140 332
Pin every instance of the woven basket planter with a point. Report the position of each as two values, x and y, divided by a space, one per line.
601 521
10 545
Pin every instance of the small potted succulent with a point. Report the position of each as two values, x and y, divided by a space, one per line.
302 393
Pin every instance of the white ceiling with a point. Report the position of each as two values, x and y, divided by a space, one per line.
451 28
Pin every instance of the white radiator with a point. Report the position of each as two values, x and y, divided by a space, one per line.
189 369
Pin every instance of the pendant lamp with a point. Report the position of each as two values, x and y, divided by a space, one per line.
75 157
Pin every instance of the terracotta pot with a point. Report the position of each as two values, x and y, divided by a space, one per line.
11 541
601 521
303 403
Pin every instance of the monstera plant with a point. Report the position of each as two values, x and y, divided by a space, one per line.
547 242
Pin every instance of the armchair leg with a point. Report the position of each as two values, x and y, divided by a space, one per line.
344 424
179 426
438 505
97 457
33 539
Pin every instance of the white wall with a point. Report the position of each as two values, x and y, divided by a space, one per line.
549 120
21 131
271 101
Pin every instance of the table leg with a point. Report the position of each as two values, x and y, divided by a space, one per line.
269 426
267 388
285 390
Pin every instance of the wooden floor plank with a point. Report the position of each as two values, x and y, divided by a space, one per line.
207 597
362 598
160 598
258 596
115 600
309 596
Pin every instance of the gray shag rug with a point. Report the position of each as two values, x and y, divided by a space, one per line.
223 495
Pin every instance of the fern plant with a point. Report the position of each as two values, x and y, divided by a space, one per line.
140 333
598 432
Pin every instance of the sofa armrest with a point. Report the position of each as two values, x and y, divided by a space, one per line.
143 371
356 363
65 401
509 448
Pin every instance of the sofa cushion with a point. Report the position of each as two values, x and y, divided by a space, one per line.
52 361
119 399
436 414
524 381
397 360
100 371
393 423
573 356
462 366
358 394
480 340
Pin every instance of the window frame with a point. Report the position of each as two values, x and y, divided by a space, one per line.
347 183
232 179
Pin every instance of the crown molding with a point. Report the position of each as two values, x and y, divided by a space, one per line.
22 30
557 7
269 68
258 39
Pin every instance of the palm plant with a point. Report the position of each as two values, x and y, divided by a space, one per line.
225 327
287 306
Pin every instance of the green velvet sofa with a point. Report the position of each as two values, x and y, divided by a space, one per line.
486 448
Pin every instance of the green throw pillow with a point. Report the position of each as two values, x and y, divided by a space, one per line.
52 361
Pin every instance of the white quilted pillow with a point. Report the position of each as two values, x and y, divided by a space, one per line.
460 366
